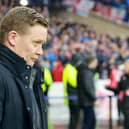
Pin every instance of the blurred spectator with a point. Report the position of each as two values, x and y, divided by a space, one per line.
70 89
123 91
86 91
57 71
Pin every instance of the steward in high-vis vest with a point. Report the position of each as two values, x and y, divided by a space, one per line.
48 81
70 91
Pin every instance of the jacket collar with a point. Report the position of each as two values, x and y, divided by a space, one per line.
14 62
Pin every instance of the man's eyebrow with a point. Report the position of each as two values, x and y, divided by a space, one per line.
39 41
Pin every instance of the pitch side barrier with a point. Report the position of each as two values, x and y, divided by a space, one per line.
99 97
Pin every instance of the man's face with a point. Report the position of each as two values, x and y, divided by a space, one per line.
29 45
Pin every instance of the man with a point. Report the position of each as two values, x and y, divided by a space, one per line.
23 31
86 91
122 90
70 90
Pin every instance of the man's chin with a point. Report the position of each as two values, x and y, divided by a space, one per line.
31 63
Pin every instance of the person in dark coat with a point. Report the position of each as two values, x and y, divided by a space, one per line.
23 31
86 91
123 87
122 90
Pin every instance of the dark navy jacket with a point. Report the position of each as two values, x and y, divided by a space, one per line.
15 99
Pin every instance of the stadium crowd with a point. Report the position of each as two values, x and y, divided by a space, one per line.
65 40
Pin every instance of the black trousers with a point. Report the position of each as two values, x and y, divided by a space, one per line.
74 114
89 120
126 120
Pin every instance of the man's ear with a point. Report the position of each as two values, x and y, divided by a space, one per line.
11 37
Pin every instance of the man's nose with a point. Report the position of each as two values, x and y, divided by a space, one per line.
39 51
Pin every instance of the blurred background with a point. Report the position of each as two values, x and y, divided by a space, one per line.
82 27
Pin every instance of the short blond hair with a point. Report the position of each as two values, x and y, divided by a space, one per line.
18 19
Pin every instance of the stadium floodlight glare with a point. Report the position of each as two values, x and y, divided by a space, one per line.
24 2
